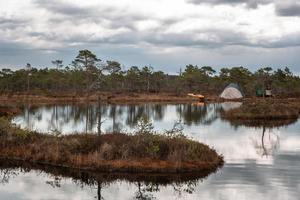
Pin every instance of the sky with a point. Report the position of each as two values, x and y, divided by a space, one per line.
166 34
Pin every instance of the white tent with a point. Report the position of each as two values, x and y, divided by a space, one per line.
232 91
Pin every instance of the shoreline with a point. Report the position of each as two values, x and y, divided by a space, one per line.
142 152
84 163
264 113
128 98
87 176
104 97
23 146
271 109
198 168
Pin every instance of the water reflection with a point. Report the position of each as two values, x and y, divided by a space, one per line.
235 181
262 157
142 186
269 142
237 139
194 114
99 118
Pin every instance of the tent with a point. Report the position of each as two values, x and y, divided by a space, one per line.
232 91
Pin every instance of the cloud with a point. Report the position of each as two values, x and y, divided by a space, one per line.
120 25
63 8
153 27
105 15
12 22
248 3
282 7
288 8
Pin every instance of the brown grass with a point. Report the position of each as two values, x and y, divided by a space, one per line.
109 152
8 110
104 96
265 110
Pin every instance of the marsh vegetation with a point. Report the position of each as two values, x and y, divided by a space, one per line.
88 74
142 151
264 111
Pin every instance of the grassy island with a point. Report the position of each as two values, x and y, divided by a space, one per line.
265 110
142 151
264 113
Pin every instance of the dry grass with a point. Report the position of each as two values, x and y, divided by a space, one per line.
265 110
8 111
105 96
109 152
264 113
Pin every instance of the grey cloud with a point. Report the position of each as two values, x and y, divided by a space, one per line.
11 22
249 3
108 17
209 38
288 8
202 38
63 8
115 18
282 7
286 41
215 38
50 36
78 14
132 44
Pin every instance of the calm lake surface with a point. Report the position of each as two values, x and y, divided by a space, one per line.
261 163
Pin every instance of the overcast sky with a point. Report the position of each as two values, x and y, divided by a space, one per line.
166 34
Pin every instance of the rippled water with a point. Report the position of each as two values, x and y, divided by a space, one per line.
261 163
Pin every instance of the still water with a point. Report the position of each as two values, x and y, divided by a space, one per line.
261 162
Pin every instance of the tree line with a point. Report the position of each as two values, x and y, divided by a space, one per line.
87 73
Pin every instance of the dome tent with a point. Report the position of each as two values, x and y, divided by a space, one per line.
232 91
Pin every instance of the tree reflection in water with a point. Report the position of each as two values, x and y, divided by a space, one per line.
116 117
274 142
146 184
198 113
144 191
6 174
56 182
150 111
100 186
266 144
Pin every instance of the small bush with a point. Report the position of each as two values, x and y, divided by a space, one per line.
106 152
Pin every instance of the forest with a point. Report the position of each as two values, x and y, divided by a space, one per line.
87 73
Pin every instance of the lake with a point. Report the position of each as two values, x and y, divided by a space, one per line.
261 162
